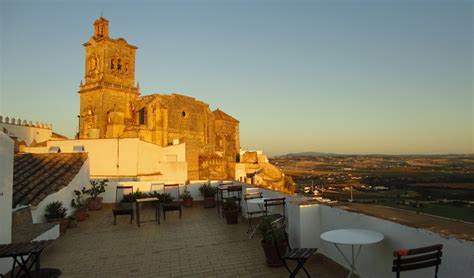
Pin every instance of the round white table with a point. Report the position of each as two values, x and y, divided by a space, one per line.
353 237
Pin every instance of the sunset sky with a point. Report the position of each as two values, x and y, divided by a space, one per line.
391 77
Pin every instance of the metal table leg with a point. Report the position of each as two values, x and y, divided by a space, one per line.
138 213
353 261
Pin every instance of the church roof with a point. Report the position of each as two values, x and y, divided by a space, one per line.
58 136
35 176
221 115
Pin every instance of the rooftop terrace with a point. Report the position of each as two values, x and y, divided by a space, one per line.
201 244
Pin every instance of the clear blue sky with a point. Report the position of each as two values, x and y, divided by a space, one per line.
331 76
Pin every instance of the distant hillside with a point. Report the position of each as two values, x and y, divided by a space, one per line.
316 154
310 154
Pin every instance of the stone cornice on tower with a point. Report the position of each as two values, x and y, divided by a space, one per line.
108 85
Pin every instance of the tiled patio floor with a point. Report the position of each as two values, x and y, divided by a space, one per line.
201 244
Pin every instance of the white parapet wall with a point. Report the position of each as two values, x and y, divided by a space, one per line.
307 222
6 191
65 195
27 132
150 186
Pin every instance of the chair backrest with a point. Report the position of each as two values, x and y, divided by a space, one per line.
234 191
172 188
423 257
272 202
120 192
279 234
155 186
252 195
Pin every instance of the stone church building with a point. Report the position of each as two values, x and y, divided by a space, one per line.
111 107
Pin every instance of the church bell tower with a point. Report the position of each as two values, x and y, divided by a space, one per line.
109 89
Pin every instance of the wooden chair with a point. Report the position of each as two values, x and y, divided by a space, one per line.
174 205
274 202
122 208
423 257
299 255
251 214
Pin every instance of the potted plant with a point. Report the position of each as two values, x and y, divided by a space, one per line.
209 194
97 188
80 205
163 197
231 211
187 198
56 213
264 228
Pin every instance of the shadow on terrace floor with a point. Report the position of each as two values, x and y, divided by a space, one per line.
201 244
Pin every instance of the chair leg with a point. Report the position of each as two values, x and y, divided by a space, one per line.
164 215
296 270
180 213
304 269
249 218
115 219
131 218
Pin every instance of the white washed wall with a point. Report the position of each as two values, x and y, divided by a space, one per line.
50 234
6 191
127 157
376 260
65 195
27 133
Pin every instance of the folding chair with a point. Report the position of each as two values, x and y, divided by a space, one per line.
123 208
299 255
251 214
423 257
274 202
174 205
155 187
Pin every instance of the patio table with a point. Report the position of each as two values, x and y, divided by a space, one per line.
32 251
153 200
351 237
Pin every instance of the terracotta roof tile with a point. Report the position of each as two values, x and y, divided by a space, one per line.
35 176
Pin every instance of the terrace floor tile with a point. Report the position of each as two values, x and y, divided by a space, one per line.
200 244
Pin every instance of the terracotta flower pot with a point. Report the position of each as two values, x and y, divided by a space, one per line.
81 214
271 254
209 202
95 203
188 202
232 216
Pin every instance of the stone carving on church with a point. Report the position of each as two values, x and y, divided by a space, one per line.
90 119
93 68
